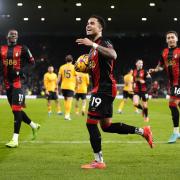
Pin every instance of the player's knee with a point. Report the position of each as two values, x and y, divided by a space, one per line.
172 105
106 127
145 106
16 108
135 104
174 110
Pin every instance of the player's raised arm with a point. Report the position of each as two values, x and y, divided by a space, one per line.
105 51
159 67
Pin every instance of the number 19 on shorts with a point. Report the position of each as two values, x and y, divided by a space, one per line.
96 101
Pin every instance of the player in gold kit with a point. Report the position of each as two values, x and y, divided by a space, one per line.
82 82
127 91
67 76
50 80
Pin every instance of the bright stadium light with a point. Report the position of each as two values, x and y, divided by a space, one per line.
26 19
152 4
109 19
78 4
43 19
78 19
144 19
19 4
39 6
112 6
5 16
175 19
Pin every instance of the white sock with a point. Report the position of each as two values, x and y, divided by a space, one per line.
33 125
98 156
139 131
15 137
176 130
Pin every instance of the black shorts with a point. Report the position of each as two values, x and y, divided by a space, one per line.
67 93
16 96
175 91
126 95
52 96
80 95
142 95
100 106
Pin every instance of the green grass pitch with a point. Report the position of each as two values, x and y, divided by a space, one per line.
62 146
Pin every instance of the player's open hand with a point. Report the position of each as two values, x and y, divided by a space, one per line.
151 71
142 81
84 41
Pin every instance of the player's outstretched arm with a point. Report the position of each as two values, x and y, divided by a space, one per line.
157 69
107 52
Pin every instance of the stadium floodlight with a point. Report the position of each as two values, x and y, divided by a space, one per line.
109 19
144 19
39 6
19 4
26 19
152 4
5 16
78 19
43 19
175 19
78 4
112 6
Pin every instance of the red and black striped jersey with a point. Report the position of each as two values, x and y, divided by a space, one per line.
170 61
102 70
137 76
12 59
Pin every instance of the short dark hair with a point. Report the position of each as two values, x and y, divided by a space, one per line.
173 32
100 20
69 58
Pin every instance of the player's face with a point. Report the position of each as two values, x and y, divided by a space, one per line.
12 36
93 27
171 40
139 64
50 69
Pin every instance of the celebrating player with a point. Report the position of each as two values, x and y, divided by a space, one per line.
50 80
13 57
102 57
169 61
141 78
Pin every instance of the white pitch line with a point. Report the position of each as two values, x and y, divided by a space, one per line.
87 142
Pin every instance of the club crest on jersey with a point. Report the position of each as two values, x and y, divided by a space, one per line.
175 56
91 64
17 54
141 74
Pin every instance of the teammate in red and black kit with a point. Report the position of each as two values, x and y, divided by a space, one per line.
155 88
141 77
169 61
101 61
13 56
